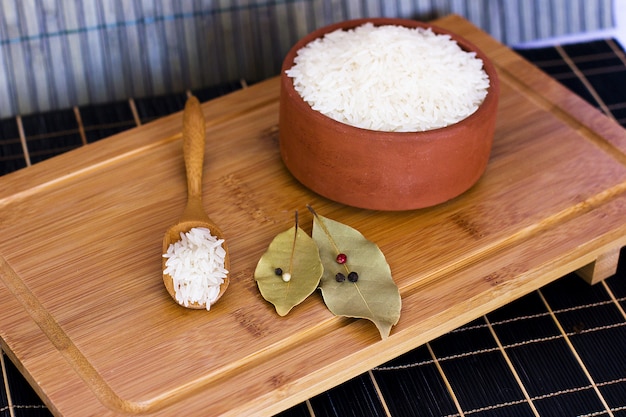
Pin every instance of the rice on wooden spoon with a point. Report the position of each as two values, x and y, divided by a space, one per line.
194 216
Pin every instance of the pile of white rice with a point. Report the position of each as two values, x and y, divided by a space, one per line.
390 78
196 265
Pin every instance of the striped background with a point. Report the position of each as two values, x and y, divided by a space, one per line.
55 54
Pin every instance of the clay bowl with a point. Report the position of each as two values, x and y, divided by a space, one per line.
384 170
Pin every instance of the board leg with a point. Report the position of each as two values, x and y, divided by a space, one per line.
603 267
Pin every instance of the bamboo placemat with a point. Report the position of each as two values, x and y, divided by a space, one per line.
557 351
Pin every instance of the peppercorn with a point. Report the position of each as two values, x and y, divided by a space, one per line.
341 258
353 277
340 277
278 271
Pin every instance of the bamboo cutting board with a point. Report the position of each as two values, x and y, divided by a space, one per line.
86 318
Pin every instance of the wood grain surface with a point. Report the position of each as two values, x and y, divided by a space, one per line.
87 319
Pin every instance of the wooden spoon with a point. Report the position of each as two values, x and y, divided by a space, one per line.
194 134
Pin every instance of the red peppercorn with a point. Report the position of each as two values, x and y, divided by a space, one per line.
341 258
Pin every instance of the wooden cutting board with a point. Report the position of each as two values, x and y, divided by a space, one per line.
86 318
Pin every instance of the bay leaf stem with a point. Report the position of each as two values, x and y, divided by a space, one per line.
293 247
328 235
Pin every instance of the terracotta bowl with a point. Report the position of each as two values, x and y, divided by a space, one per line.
384 170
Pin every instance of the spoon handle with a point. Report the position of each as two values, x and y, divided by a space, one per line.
194 133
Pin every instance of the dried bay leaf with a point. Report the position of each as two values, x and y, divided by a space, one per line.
374 296
295 253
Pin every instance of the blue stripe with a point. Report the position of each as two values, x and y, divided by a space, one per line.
145 20
27 77
71 91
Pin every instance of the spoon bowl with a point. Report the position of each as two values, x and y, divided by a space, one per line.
194 215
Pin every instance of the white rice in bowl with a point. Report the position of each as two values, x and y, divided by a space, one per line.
196 265
390 78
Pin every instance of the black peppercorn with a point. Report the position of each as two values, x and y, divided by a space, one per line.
340 277
278 271
353 277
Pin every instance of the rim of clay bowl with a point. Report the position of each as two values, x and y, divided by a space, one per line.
492 91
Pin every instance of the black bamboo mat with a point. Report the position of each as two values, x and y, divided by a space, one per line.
559 351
